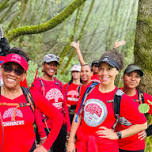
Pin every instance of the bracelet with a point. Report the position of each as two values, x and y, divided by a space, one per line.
119 135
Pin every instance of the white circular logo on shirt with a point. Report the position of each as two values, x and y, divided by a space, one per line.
54 94
95 112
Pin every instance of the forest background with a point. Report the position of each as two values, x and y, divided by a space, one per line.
49 26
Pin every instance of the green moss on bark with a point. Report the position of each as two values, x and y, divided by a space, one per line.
34 29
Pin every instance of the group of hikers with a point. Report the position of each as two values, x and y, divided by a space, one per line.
87 114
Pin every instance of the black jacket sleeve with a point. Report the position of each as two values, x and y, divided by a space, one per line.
4 46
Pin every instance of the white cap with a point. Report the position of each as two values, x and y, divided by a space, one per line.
76 67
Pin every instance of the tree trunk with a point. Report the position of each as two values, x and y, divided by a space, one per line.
143 43
143 51
34 29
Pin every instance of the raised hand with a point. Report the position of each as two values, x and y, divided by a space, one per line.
76 45
119 43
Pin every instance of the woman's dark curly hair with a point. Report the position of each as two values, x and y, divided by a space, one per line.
116 56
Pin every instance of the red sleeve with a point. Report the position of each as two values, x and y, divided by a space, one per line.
129 110
40 124
67 118
52 113
148 100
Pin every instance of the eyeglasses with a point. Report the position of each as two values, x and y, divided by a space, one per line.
9 68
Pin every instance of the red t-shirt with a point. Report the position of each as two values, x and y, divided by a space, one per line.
95 78
98 112
19 135
71 93
54 93
132 142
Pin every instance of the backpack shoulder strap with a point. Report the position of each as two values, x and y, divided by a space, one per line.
116 105
116 102
42 87
79 89
58 83
29 97
140 96
66 89
88 90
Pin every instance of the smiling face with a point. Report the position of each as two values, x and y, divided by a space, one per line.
107 74
95 69
131 80
50 69
75 75
12 75
85 74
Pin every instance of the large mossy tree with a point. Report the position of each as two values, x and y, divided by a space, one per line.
143 43
143 51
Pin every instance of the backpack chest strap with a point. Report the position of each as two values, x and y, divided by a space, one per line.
16 105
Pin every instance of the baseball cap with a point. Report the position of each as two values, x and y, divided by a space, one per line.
2 58
51 58
132 67
17 59
95 62
110 62
76 67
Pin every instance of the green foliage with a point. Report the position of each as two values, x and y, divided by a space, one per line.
149 139
32 72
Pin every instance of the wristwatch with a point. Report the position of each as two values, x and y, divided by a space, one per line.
119 135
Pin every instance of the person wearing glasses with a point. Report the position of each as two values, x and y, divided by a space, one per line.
17 108
52 89
95 120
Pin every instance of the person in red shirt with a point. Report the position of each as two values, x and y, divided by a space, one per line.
17 110
52 89
95 71
72 90
94 64
131 78
4 50
94 124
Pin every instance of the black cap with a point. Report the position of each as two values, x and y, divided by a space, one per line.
95 63
110 62
132 67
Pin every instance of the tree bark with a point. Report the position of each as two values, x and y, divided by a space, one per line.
143 43
143 50
34 29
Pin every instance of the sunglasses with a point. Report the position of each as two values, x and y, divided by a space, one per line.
17 70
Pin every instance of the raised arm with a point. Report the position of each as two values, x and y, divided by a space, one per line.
76 45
